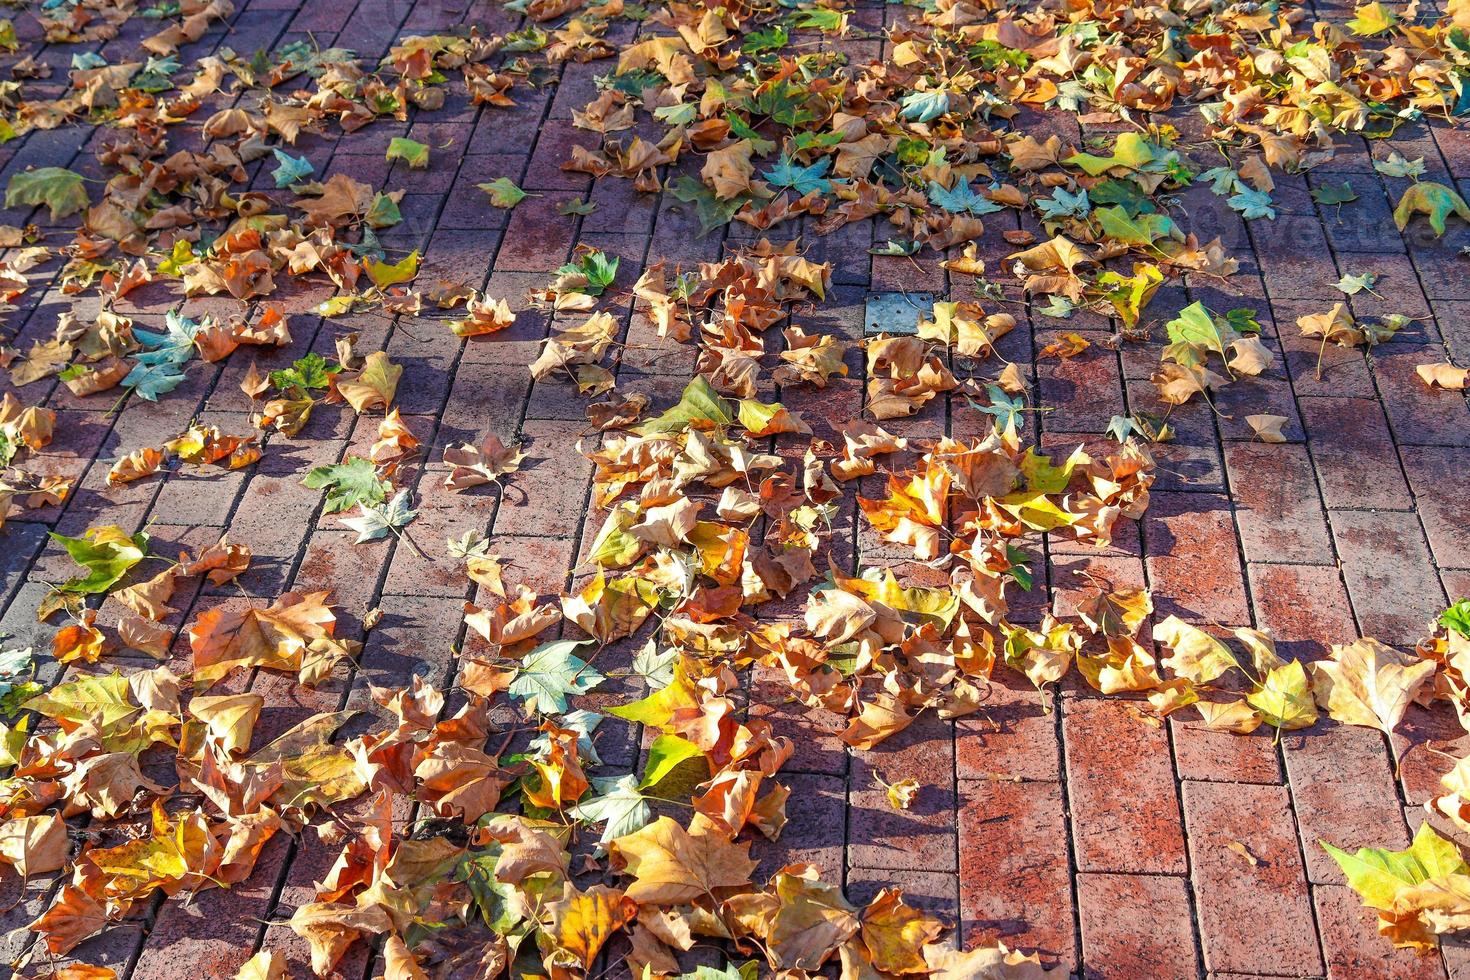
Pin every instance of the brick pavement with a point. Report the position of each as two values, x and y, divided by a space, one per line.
1070 825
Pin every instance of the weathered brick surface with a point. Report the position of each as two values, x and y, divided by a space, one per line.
1136 925
1354 453
1353 947
1015 883
1342 792
880 836
1230 888
1277 504
1193 558
1440 478
1389 573
1305 607
1124 804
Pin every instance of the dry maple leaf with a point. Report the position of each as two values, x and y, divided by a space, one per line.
79 640
1444 375
895 934
264 965
289 635
728 170
477 465
143 634
460 781
1367 683
219 563
801 919
34 845
134 466
982 963
395 445
374 386
670 865
483 316
1267 428
581 922
150 598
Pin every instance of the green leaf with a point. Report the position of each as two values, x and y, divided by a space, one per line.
1007 410
614 546
14 664
1242 319
530 38
575 207
1334 193
173 347
350 484
383 213
150 382
1354 283
619 806
1398 165
1372 18
1223 180
13 738
1457 618
769 39
830 21
897 247
1196 325
924 106
411 152
740 129
1130 150
680 114
960 199
657 668
749 970
106 553
1121 427
470 544
1058 307
182 255
549 673
59 189
1435 200
376 521
291 169
1284 699
1130 294
755 416
596 268
699 403
1064 205
501 905
659 706
1379 875
310 372
1123 192
1145 229
503 192
1253 204
711 211
803 180
103 697
384 275
666 754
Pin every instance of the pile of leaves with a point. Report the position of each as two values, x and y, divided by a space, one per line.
714 554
